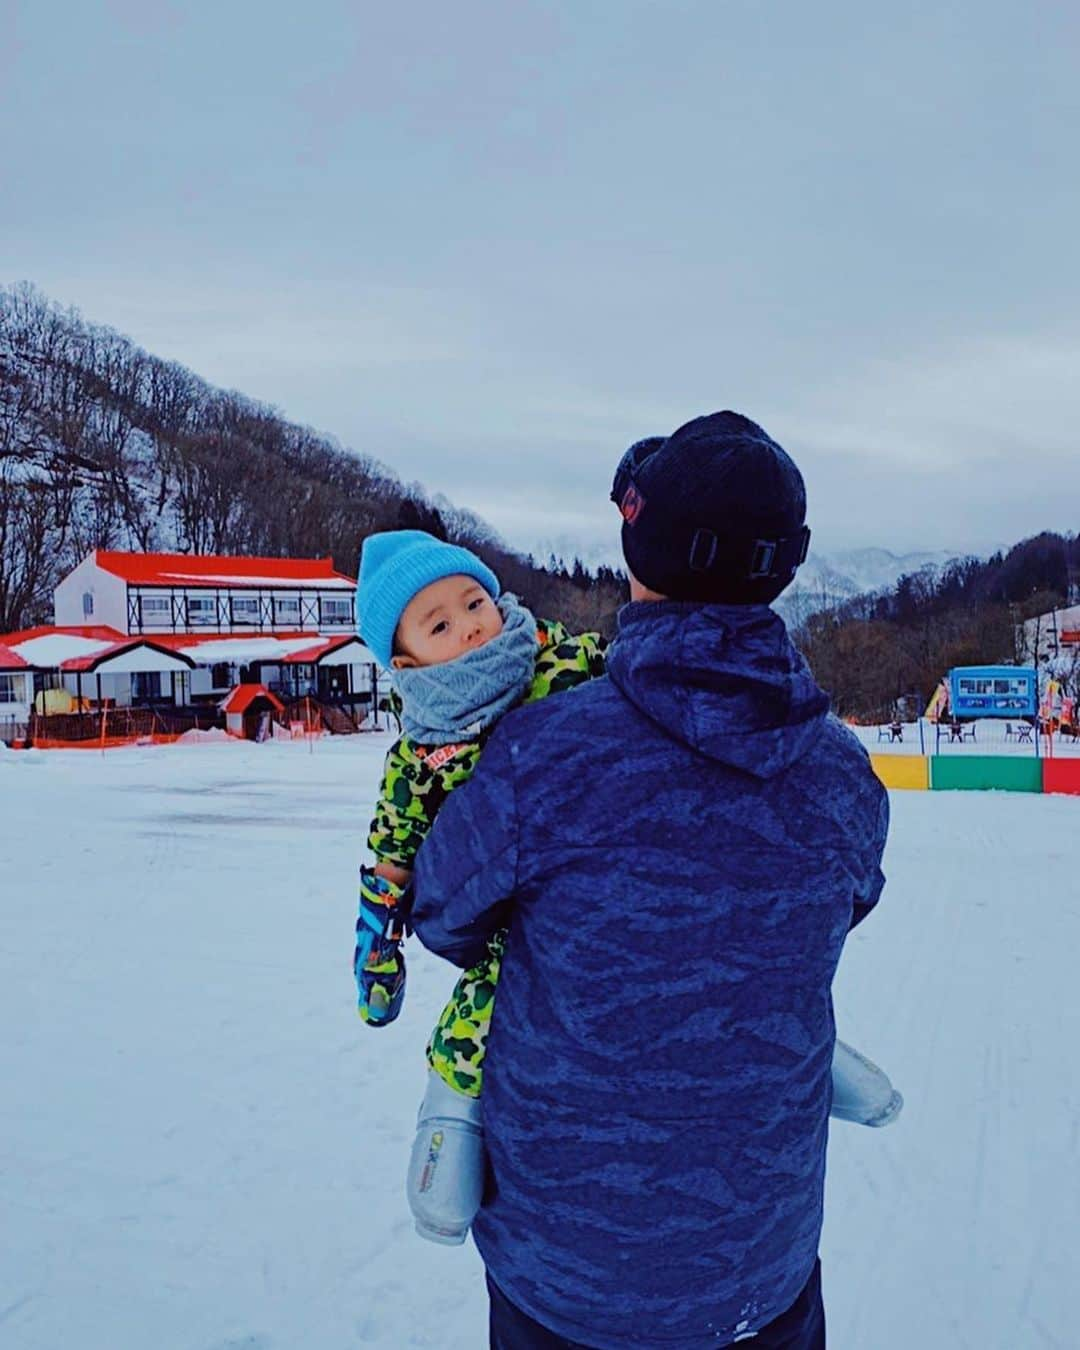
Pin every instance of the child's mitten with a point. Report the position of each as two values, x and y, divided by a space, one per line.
378 961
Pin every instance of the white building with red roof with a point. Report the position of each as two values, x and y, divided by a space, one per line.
144 593
174 631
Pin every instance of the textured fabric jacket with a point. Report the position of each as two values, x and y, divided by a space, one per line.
417 778
679 850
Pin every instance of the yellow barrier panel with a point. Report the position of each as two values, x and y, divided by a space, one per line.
902 771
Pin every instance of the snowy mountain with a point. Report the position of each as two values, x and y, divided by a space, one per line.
855 571
835 576
827 579
594 552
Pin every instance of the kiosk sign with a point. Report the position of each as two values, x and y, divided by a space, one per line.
993 691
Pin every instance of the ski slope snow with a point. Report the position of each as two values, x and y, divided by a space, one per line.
203 1149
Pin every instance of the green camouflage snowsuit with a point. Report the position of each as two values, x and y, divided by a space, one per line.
416 781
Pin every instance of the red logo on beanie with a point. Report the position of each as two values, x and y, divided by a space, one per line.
632 504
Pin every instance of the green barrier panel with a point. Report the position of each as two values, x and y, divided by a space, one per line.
981 772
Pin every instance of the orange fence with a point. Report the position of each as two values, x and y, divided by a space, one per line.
111 727
108 727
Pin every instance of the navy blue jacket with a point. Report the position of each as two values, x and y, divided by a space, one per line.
679 850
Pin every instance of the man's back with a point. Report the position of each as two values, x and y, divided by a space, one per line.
691 839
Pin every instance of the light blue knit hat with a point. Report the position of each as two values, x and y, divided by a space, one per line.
396 565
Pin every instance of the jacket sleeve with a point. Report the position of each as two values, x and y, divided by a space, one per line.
409 796
466 873
868 894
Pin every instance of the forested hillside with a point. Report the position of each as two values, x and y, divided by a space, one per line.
105 445
874 649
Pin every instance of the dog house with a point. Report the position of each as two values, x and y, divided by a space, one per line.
249 711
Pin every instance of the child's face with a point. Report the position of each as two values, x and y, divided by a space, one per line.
443 621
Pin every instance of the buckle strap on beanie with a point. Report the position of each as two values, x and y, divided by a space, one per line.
760 557
462 698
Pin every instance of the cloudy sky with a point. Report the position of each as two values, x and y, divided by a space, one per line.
493 242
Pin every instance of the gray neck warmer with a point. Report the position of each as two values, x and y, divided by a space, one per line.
459 700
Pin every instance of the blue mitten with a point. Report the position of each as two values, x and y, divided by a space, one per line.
378 961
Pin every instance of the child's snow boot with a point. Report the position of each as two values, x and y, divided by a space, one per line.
861 1091
446 1170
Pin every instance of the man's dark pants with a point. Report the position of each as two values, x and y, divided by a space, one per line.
802 1327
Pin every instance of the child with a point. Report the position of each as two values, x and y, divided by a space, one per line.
462 655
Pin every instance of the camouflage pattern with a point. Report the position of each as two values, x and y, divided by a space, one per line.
416 781
456 1047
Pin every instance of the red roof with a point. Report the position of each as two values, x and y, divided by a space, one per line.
95 632
317 645
189 569
118 642
244 695
10 660
321 644
90 663
177 640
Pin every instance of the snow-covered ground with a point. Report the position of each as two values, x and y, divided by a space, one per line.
202 1149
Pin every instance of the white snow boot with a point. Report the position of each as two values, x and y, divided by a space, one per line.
861 1091
446 1170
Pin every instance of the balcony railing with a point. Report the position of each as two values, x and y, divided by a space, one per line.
167 610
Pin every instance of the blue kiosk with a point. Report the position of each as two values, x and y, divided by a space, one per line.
993 691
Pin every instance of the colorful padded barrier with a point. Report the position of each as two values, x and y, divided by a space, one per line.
978 773
985 772
902 771
1061 775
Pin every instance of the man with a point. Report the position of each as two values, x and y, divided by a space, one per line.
679 850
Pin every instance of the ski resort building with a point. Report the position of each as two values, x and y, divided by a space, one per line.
172 635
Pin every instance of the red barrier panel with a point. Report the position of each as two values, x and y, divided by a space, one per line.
1061 775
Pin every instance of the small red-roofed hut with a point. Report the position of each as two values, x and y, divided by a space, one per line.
249 709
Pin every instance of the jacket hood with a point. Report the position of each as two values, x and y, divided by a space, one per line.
723 679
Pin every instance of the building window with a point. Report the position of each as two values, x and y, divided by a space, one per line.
155 609
287 610
88 605
13 689
244 608
202 610
145 686
303 680
335 609
221 675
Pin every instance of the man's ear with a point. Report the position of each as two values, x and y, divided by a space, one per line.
403 662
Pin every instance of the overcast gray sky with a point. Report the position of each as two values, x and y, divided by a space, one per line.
492 243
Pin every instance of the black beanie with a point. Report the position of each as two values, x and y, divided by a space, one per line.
715 513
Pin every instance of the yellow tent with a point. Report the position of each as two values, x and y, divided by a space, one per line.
939 703
50 702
